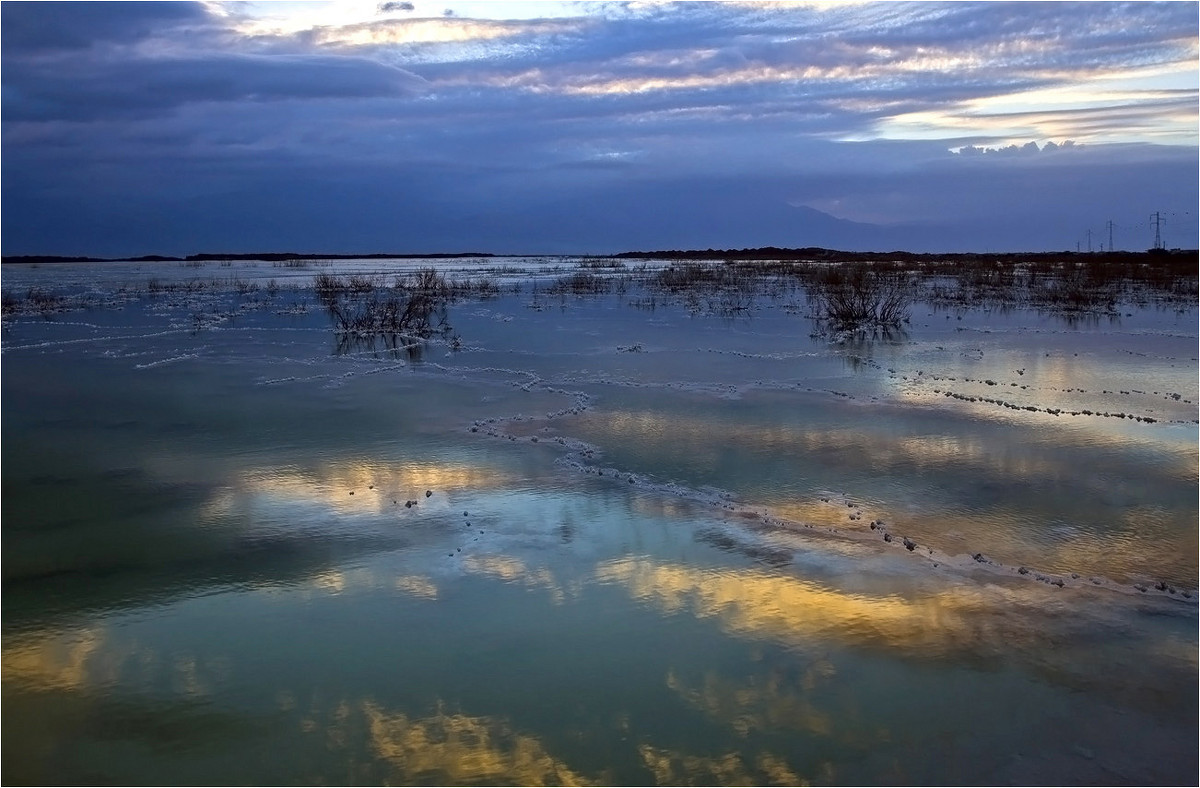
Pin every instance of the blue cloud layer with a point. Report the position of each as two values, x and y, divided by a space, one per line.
139 127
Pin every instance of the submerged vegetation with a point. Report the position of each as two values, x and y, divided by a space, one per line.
364 305
33 300
856 296
839 291
854 291
364 309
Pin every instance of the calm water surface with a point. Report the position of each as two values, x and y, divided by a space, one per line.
607 539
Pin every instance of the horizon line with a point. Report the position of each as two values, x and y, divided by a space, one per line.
761 251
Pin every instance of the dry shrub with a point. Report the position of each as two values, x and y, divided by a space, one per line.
859 296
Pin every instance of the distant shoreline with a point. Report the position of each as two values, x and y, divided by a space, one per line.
816 254
214 256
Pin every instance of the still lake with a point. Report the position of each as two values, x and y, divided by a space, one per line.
613 538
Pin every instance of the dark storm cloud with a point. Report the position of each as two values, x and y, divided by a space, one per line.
100 90
385 8
38 27
282 197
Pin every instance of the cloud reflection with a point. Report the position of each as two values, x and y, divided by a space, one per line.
84 660
671 767
765 703
53 661
444 748
924 444
458 749
513 570
960 620
1063 499
418 586
360 487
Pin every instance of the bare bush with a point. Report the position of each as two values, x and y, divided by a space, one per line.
602 263
38 300
415 315
581 283
430 282
362 305
858 296
483 287
329 287
688 275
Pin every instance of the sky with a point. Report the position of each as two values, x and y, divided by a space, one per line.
592 128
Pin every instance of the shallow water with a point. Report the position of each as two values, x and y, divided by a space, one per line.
637 546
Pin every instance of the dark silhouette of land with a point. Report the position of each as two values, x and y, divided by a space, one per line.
271 257
808 253
819 254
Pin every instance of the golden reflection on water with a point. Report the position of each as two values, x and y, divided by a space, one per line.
361 487
1123 553
86 659
701 440
795 612
1081 430
671 767
331 581
698 438
1005 521
1059 380
445 748
53 661
458 749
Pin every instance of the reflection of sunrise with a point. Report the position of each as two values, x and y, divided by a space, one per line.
799 613
669 431
461 749
362 488
54 661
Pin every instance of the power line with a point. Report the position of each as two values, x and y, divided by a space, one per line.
1155 222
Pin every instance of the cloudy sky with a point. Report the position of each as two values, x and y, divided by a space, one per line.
172 128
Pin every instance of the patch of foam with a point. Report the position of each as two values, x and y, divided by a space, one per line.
164 361
8 347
